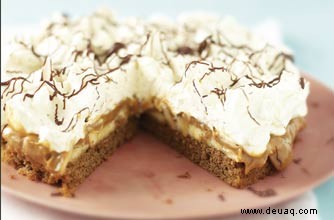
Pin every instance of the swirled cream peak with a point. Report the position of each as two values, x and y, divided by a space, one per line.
62 79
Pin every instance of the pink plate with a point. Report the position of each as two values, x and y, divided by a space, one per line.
145 178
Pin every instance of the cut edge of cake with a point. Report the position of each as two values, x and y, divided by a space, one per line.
205 156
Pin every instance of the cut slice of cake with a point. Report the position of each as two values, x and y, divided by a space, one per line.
225 98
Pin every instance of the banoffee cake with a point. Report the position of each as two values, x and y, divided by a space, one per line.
219 94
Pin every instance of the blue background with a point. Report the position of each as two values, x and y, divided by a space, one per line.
308 29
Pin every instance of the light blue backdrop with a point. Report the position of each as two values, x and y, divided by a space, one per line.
308 28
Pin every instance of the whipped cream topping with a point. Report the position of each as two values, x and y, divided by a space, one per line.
59 81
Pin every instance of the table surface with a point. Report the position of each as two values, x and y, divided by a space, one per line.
306 26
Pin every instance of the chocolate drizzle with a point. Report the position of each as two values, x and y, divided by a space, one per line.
263 84
252 117
284 57
125 59
74 120
201 98
57 121
117 46
194 62
211 70
202 46
32 49
50 83
8 83
234 81
221 93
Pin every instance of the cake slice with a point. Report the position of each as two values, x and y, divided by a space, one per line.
222 96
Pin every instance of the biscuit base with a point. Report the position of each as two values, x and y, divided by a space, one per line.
208 158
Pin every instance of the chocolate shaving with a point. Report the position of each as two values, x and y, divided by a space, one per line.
125 60
221 93
76 54
184 50
56 194
234 82
262 193
212 69
117 46
264 84
57 121
305 171
169 201
297 160
285 56
72 124
186 175
202 46
251 116
221 197
144 44
13 177
205 108
314 104
257 51
194 62
33 51
302 82
330 140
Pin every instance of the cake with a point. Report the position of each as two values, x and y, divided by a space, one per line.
221 95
